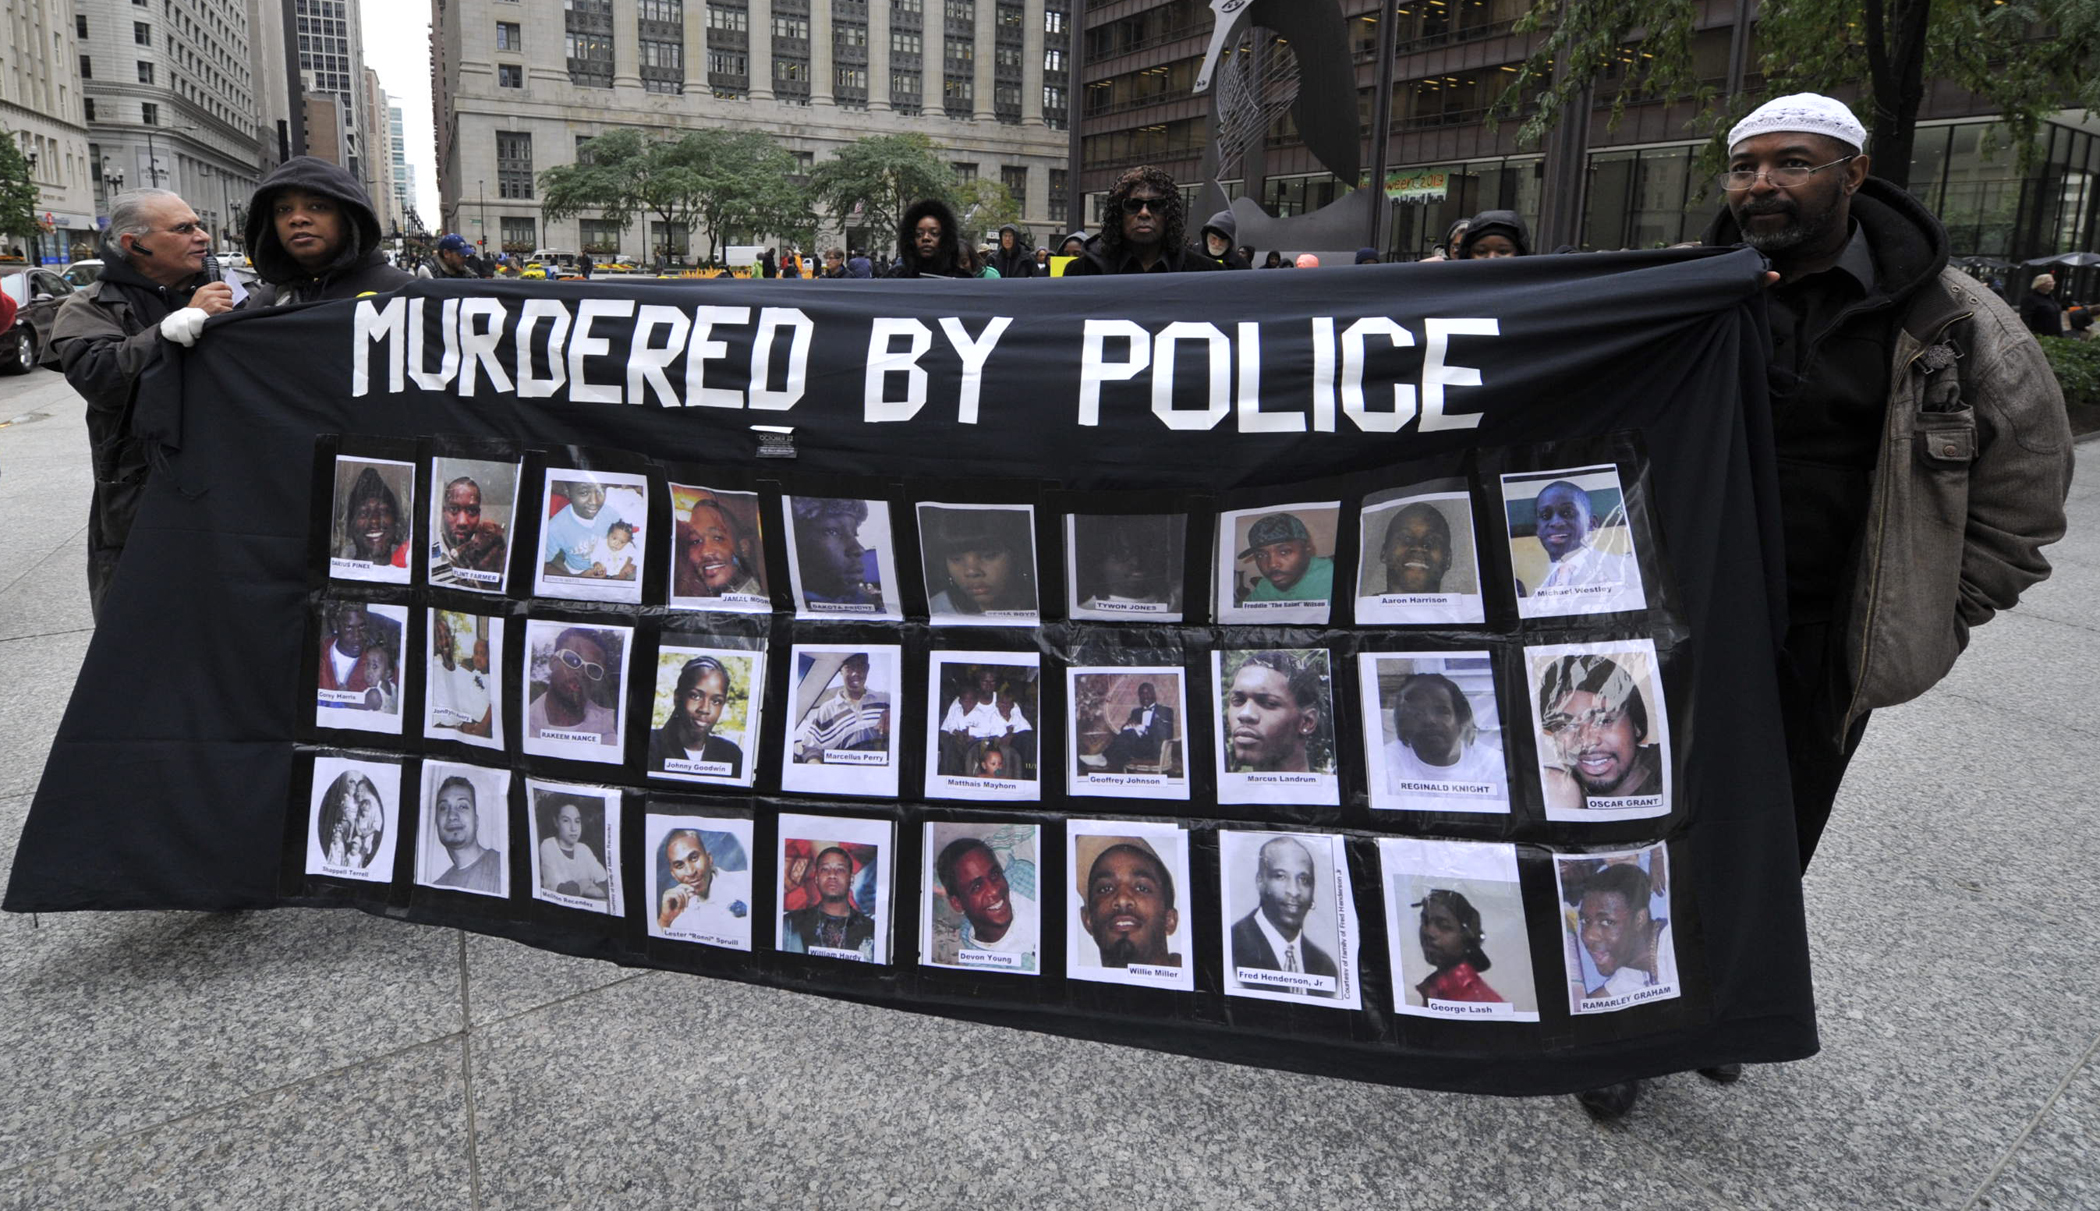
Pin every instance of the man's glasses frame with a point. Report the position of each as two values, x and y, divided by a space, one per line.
1783 177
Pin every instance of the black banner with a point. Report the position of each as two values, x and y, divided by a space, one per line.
1367 673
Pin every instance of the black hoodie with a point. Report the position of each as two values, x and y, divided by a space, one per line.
1020 263
358 268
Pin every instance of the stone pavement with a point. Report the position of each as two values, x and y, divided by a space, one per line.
306 1059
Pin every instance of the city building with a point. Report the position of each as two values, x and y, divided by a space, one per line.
379 166
1452 60
517 85
40 105
331 58
169 99
404 172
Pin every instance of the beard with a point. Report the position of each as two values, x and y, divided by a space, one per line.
1120 953
1799 231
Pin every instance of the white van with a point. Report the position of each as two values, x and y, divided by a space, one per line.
558 261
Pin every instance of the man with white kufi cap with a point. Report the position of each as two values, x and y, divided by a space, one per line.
1922 444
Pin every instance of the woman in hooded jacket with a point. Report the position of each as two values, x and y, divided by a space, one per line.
312 235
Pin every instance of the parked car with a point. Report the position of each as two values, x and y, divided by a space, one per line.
37 294
80 273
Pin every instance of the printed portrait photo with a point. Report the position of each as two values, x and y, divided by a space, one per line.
841 727
1419 564
575 695
1615 924
835 887
369 527
1432 732
1126 921
1125 568
1274 720
718 556
1570 544
1128 731
575 845
981 743
356 816
1603 730
703 723
463 679
464 840
982 908
471 506
700 879
840 560
362 649
1276 565
592 540
1454 919
1293 935
980 563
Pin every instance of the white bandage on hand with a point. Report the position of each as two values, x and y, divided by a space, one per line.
183 326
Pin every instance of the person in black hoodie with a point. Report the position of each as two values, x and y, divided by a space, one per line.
1495 233
1014 258
312 235
1144 230
110 332
1218 235
927 243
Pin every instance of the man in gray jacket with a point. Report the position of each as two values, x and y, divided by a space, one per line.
108 333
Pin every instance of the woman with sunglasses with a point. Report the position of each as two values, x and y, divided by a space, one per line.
1144 229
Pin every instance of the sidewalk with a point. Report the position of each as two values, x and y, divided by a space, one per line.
305 1059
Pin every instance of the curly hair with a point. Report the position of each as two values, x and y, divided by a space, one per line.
1173 215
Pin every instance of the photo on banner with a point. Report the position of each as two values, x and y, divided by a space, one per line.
980 735
591 541
1615 927
1419 565
835 887
575 845
463 843
463 679
718 554
362 648
1125 568
1127 920
1603 730
368 529
1432 732
842 735
980 564
355 819
1294 933
704 715
472 502
1273 716
1454 924
841 563
1276 564
982 907
1128 731
575 689
700 879
1570 543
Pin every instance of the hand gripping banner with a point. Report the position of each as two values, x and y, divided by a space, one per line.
1365 672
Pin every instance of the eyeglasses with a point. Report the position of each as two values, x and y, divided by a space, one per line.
596 672
1134 205
185 229
1785 176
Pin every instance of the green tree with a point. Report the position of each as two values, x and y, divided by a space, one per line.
2028 57
621 175
984 206
883 175
746 183
19 200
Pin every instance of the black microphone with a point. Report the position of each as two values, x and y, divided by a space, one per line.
142 250
211 268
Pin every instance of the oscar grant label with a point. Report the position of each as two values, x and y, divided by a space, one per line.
1609 803
1288 981
1491 1010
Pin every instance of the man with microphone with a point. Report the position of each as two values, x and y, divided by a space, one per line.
156 273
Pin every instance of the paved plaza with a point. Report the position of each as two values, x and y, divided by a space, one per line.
308 1059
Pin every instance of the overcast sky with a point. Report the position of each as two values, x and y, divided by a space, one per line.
397 46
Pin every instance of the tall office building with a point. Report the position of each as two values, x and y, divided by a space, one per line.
170 103
40 105
331 54
378 177
397 153
1451 60
518 84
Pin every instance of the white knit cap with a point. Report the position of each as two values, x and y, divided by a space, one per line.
1802 113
